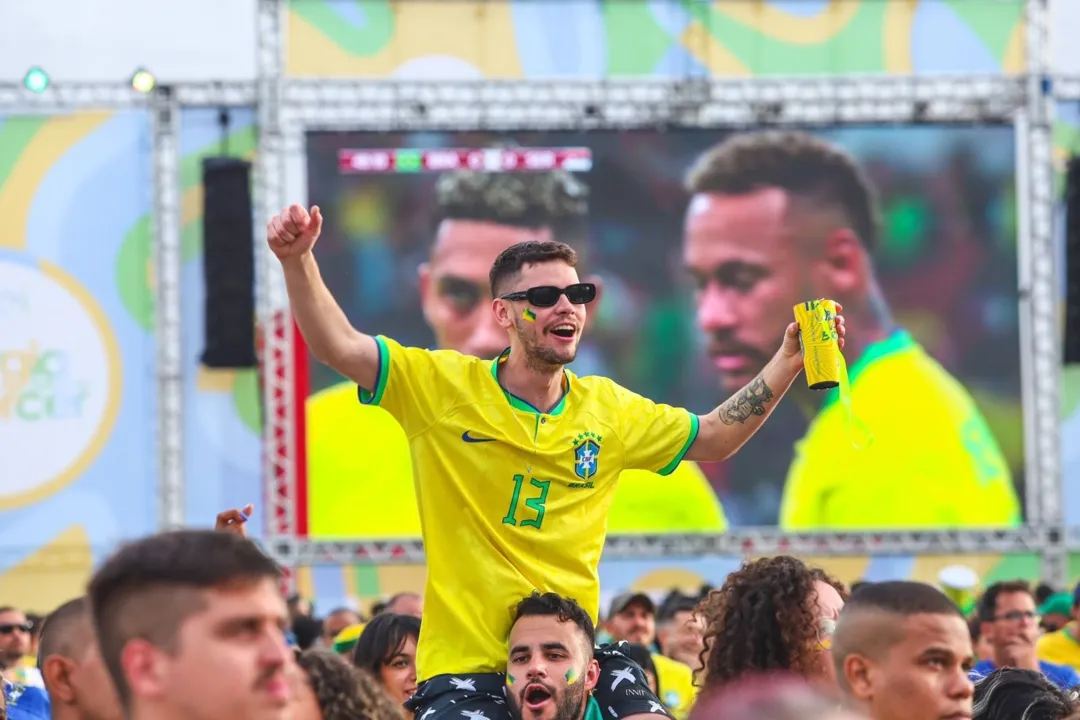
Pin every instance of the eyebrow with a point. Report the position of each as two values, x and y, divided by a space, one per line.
543 646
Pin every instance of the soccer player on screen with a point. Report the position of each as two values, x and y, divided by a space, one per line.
515 458
779 218
478 216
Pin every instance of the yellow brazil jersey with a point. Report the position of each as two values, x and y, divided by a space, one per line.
512 499
343 477
675 685
931 462
1060 647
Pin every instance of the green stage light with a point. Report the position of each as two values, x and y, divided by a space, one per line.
143 81
36 80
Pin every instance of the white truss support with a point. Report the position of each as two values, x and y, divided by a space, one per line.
611 104
166 256
1067 87
279 433
72 97
1041 356
735 544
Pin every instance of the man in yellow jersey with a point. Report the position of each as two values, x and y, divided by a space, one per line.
1061 647
515 459
779 218
479 215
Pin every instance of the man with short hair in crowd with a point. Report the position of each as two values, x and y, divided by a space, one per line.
191 624
632 618
679 631
406 603
902 651
15 631
1010 625
1061 646
552 671
337 621
75 676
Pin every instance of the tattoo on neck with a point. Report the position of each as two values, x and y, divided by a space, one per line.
748 401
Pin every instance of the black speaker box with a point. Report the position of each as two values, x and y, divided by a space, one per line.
228 264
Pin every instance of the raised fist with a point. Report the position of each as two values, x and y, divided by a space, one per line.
294 231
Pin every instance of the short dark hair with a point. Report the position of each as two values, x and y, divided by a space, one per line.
987 607
344 692
514 258
149 587
550 604
886 600
61 624
675 605
381 638
528 200
798 163
1008 693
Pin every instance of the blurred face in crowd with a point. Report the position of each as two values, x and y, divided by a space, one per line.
550 671
827 604
635 623
680 638
82 681
14 637
752 259
551 338
228 661
407 604
1013 631
923 675
454 284
337 621
398 672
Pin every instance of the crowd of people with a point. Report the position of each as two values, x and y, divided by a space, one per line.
192 624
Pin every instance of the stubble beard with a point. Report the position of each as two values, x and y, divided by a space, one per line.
538 357
569 706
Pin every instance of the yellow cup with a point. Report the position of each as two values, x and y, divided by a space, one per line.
821 349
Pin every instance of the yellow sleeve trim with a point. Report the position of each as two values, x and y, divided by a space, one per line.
690 438
382 375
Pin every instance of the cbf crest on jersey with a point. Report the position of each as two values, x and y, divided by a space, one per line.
587 455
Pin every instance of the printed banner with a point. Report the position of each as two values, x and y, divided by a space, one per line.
471 39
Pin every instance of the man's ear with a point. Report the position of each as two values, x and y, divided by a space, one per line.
858 676
502 310
56 671
592 675
144 668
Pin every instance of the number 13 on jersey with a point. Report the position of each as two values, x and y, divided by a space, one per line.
535 502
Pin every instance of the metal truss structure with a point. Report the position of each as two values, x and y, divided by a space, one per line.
288 108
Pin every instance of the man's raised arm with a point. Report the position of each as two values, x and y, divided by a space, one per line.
726 429
291 236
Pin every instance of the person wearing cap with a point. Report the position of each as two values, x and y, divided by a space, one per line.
1061 647
632 617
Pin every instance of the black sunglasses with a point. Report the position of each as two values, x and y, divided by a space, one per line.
547 295
8 629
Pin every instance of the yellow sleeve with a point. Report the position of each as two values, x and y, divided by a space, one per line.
675 682
416 386
655 437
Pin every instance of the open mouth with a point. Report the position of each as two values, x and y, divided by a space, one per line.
535 696
564 331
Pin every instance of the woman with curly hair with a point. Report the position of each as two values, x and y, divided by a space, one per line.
329 688
773 614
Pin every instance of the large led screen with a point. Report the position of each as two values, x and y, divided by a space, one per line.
913 229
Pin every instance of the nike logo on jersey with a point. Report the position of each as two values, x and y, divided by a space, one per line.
470 439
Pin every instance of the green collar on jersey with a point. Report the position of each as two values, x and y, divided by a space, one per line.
897 341
519 404
592 710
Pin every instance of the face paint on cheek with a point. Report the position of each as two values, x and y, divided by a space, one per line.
571 676
529 315
510 679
